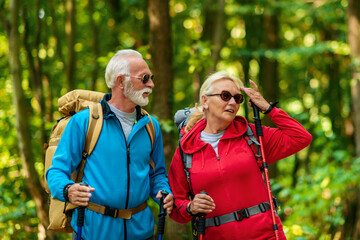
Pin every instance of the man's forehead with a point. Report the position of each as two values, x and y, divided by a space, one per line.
137 63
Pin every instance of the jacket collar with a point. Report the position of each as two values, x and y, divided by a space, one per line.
191 142
107 111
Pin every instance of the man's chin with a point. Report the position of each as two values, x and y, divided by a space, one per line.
143 102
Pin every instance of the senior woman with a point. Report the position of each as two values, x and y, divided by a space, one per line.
224 165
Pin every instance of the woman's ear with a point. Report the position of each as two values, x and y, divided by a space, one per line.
204 100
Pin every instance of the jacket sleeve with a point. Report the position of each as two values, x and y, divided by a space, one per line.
67 155
289 138
159 179
180 188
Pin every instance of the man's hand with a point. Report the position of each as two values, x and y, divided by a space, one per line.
168 202
80 195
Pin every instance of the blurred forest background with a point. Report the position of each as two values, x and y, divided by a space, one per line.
304 53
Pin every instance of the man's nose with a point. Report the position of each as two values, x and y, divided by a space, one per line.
150 83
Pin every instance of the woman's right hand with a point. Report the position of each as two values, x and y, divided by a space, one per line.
202 203
255 96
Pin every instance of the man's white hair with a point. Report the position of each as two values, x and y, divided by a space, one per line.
119 65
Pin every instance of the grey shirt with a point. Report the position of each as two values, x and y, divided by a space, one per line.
127 120
212 139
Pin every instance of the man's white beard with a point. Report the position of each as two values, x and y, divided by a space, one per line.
136 96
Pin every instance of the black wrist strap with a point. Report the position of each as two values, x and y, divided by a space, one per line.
272 105
188 209
65 192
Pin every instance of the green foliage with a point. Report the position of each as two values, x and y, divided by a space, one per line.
167 125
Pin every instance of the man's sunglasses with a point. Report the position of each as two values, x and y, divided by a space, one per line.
145 78
226 96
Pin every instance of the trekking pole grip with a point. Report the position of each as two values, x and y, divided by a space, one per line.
201 226
257 120
162 213
81 211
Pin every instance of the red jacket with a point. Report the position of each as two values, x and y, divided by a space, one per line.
234 181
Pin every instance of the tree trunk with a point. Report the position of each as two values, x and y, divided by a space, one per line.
35 68
328 33
59 55
214 28
162 67
354 42
95 44
161 58
252 37
22 124
245 64
117 15
196 86
55 29
70 34
269 67
269 71
335 91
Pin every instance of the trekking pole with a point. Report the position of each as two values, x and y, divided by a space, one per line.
162 214
201 226
259 134
81 215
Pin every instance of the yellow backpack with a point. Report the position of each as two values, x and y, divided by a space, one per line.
60 213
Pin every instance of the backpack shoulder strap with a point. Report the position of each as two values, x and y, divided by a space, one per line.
151 131
187 162
254 145
250 134
94 129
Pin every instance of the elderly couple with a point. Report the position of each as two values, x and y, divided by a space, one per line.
223 164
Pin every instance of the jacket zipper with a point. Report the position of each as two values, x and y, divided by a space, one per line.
128 186
128 175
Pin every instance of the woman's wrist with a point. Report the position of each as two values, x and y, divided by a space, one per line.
272 105
188 210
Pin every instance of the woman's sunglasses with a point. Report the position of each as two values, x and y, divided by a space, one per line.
144 78
226 96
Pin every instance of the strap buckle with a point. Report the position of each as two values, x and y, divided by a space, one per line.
241 214
262 207
275 202
84 155
217 221
276 205
111 212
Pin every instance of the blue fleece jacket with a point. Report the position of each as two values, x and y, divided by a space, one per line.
118 183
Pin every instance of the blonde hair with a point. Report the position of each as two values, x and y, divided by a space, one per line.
206 88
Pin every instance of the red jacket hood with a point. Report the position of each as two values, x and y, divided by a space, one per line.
191 143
